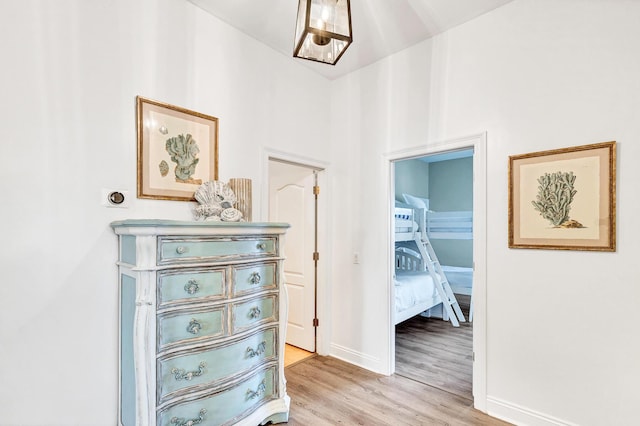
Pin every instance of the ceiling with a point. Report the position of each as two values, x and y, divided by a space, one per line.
380 27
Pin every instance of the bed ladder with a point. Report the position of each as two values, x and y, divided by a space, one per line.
451 308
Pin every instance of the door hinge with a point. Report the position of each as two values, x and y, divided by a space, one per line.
316 190
315 322
316 256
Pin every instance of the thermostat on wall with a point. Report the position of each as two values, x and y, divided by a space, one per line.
115 198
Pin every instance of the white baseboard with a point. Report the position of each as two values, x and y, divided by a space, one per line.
358 358
522 416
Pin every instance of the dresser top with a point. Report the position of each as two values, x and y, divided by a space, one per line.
178 227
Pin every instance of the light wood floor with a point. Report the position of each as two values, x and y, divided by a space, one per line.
327 391
434 352
432 384
293 355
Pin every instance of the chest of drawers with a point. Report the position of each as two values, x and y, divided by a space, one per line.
202 322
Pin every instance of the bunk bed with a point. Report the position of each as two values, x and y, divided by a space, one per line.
415 290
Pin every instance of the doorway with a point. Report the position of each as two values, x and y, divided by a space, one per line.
478 144
429 348
293 198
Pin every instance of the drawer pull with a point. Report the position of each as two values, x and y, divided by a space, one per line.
184 422
194 327
260 390
182 249
254 312
181 374
261 246
255 278
191 287
259 350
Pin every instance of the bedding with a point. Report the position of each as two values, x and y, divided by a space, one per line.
416 202
460 278
413 288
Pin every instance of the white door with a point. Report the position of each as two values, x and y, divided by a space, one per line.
291 200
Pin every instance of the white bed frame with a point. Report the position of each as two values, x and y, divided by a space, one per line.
451 225
430 225
455 225
405 260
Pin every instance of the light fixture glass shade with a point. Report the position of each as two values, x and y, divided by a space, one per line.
323 30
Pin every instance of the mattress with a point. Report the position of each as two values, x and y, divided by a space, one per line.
460 278
413 288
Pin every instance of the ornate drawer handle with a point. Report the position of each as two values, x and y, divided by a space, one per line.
254 312
261 246
260 390
259 350
181 374
194 327
255 278
191 287
184 422
182 249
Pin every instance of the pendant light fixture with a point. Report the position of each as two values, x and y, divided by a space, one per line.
323 30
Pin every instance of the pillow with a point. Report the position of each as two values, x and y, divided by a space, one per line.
417 202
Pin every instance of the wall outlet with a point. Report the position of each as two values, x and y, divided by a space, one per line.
114 198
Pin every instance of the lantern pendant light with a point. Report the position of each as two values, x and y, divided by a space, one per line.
323 30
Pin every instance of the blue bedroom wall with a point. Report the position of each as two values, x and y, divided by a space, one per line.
451 189
412 177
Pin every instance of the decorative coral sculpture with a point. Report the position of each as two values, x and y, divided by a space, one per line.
184 150
216 202
555 194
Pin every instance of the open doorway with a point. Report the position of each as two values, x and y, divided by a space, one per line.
477 142
433 341
293 198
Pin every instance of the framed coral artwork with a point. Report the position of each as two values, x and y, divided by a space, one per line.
177 150
564 199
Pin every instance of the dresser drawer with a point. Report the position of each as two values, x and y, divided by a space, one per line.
205 367
176 250
253 312
228 405
193 285
252 278
187 326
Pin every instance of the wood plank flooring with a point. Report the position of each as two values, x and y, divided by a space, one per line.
434 352
327 391
293 355
432 384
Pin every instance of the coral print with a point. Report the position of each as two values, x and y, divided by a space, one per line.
184 150
555 194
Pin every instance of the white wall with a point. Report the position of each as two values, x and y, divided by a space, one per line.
562 336
70 73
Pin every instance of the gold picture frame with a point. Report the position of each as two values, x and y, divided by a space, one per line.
564 199
177 150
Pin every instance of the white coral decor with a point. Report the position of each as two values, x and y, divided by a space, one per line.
231 215
217 202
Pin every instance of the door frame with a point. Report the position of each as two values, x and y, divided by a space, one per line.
323 295
478 142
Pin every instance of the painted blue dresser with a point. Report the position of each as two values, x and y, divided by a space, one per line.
202 323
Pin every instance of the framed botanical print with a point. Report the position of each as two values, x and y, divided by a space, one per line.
564 199
177 150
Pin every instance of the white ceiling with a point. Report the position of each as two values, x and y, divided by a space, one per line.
380 27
